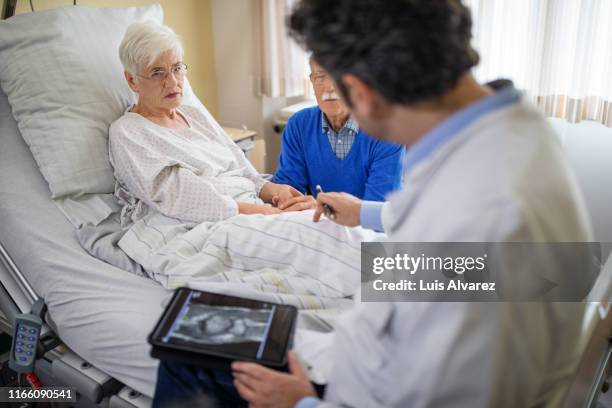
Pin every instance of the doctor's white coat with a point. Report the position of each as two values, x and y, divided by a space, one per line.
503 178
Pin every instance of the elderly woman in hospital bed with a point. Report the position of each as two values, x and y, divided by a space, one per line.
183 182
175 158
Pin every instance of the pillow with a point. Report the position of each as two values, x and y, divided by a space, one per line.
61 71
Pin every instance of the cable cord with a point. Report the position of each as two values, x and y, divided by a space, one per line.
32 4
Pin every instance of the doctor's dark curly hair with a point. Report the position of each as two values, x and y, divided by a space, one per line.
408 50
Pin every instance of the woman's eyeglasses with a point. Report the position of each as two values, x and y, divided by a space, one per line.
160 75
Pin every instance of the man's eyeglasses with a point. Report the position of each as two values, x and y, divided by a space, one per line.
160 75
319 78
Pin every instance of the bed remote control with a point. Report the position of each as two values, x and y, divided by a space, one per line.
26 338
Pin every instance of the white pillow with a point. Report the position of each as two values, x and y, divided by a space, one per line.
61 71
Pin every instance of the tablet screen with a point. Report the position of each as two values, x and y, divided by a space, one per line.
227 326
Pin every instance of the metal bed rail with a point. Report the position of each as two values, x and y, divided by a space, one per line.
17 295
60 366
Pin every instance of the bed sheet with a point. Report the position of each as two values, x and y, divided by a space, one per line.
102 313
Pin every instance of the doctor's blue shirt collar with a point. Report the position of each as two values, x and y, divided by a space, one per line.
505 94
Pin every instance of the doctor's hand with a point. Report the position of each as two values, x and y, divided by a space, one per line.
263 387
346 208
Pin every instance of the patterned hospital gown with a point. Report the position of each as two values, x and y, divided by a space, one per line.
195 174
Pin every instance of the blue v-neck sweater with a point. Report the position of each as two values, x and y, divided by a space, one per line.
371 169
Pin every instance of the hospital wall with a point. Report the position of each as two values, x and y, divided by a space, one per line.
234 39
191 19
239 102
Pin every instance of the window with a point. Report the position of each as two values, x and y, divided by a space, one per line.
558 51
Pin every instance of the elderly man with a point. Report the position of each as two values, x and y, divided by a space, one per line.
323 145
483 166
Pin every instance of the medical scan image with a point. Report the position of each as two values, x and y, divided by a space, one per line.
205 324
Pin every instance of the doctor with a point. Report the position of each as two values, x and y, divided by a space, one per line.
483 166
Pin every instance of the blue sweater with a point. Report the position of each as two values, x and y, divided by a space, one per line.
371 169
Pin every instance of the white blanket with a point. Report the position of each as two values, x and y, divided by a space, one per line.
283 258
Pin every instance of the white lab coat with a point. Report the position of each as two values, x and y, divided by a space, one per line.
503 178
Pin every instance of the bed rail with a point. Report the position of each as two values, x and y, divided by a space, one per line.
12 303
12 268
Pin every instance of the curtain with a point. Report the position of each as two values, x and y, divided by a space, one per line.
282 64
558 51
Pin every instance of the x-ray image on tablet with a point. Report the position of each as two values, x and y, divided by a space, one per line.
228 327
206 324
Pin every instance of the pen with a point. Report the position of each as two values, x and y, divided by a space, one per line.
329 211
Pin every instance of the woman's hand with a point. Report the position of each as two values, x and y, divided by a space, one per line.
249 208
299 203
286 198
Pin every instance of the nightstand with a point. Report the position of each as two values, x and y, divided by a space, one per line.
243 138
254 150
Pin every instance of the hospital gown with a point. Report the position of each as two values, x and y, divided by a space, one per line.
195 174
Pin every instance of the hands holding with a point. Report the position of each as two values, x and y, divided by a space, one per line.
263 387
282 197
292 200
286 198
249 208
346 207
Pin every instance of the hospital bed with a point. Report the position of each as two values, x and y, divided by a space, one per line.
102 314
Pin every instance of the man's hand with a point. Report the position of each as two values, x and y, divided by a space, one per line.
284 193
299 203
346 208
263 387
277 194
249 208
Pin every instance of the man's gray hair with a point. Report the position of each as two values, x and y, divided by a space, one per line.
143 42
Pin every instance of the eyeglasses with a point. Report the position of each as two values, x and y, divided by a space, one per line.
160 76
319 78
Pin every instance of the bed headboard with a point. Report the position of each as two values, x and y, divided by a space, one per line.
8 9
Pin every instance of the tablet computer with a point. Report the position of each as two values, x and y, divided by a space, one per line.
213 330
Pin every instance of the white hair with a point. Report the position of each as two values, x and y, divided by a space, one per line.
143 42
